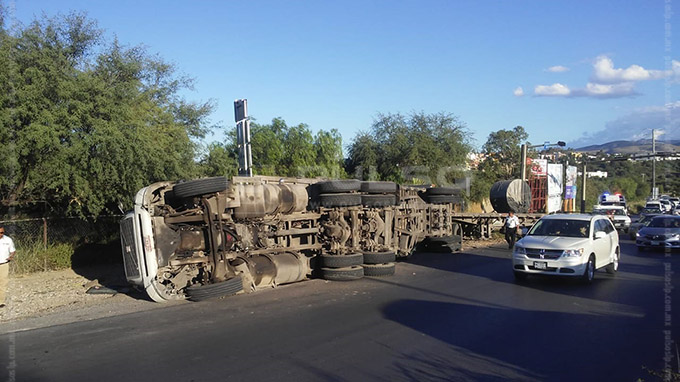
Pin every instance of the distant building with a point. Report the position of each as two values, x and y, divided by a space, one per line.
594 174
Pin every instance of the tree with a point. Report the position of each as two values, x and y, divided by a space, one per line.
89 123
282 150
501 160
420 148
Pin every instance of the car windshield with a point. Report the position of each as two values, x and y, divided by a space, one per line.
617 212
665 222
651 211
561 227
645 219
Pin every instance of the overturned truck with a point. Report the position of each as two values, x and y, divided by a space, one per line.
215 237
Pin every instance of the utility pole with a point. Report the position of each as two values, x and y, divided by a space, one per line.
523 162
583 188
245 157
655 193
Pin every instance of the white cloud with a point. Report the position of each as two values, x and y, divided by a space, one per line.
557 69
554 90
591 90
518 92
605 73
665 119
606 91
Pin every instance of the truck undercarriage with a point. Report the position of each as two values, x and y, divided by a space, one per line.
217 236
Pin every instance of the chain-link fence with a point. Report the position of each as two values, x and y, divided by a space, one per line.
55 243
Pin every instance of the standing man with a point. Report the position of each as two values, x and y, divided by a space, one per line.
6 255
511 224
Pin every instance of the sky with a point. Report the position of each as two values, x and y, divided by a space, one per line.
581 72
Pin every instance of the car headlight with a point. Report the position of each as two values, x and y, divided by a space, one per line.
637 234
520 250
573 252
674 235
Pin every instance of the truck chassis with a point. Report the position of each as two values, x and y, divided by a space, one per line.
216 236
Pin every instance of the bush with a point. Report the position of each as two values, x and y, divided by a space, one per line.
34 257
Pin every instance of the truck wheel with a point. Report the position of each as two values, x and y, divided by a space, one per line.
201 186
379 257
442 191
339 186
208 291
379 269
342 261
340 200
379 187
354 272
378 200
443 199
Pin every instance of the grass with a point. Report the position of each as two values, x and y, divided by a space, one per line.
34 257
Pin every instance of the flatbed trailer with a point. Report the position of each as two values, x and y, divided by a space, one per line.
482 225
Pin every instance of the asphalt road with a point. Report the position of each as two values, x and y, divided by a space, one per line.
442 317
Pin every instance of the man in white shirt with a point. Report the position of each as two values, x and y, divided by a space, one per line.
511 224
6 255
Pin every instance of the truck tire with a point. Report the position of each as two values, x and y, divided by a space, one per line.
379 257
443 199
354 272
208 291
379 269
201 186
341 261
378 200
379 187
340 200
442 191
339 186
446 240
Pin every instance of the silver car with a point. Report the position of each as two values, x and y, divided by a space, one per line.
568 245
663 231
643 221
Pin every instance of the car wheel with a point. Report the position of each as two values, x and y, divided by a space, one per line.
589 272
520 276
613 267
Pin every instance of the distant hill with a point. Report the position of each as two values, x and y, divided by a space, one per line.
631 147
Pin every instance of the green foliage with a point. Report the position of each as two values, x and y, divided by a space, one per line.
88 124
502 161
418 148
282 150
221 160
34 257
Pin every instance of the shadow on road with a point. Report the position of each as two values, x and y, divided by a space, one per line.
494 263
102 264
493 343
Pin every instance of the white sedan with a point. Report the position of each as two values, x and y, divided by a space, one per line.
568 245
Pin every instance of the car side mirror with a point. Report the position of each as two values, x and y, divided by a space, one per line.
600 235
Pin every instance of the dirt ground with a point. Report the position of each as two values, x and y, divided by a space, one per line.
47 292
51 293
